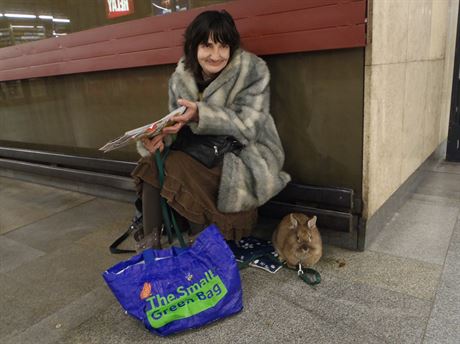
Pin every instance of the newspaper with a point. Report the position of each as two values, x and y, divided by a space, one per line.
149 130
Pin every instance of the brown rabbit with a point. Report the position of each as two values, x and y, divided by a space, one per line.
297 240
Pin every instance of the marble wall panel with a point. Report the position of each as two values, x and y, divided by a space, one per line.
439 21
414 115
367 140
389 31
433 110
387 94
419 31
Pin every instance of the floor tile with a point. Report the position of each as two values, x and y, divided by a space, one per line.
402 275
436 200
41 287
23 203
14 254
420 230
448 167
443 325
440 184
67 227
337 311
55 326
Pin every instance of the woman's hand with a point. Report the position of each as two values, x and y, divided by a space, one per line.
190 115
154 143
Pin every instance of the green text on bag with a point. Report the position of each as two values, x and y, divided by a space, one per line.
192 300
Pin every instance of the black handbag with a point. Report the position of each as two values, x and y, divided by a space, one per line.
207 149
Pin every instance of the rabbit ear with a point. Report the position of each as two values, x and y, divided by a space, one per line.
293 220
312 222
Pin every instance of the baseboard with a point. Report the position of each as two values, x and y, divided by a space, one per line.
86 187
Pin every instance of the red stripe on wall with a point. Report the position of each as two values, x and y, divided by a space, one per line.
266 27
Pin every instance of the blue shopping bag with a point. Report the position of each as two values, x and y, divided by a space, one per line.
177 289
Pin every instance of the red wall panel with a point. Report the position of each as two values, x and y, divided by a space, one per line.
266 27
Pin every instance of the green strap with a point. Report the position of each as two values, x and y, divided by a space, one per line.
164 206
308 275
168 215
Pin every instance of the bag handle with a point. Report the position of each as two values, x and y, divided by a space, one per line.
168 215
149 257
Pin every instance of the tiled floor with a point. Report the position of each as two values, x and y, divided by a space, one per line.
403 289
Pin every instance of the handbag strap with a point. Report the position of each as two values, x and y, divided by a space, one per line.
114 246
168 214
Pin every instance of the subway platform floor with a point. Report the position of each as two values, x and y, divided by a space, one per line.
403 289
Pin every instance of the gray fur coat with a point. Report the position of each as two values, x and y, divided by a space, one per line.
237 103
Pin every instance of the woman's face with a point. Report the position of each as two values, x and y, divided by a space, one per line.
213 57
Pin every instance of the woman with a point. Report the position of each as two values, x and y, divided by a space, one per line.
226 92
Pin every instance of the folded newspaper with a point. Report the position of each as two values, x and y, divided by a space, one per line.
149 130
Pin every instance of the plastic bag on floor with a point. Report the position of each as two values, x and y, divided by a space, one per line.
179 288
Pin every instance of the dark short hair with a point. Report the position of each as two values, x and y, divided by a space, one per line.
217 24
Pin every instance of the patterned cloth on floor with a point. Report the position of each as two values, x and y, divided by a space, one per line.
258 252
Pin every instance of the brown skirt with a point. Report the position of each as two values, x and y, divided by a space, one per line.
191 189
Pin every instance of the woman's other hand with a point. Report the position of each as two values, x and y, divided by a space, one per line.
190 115
154 143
